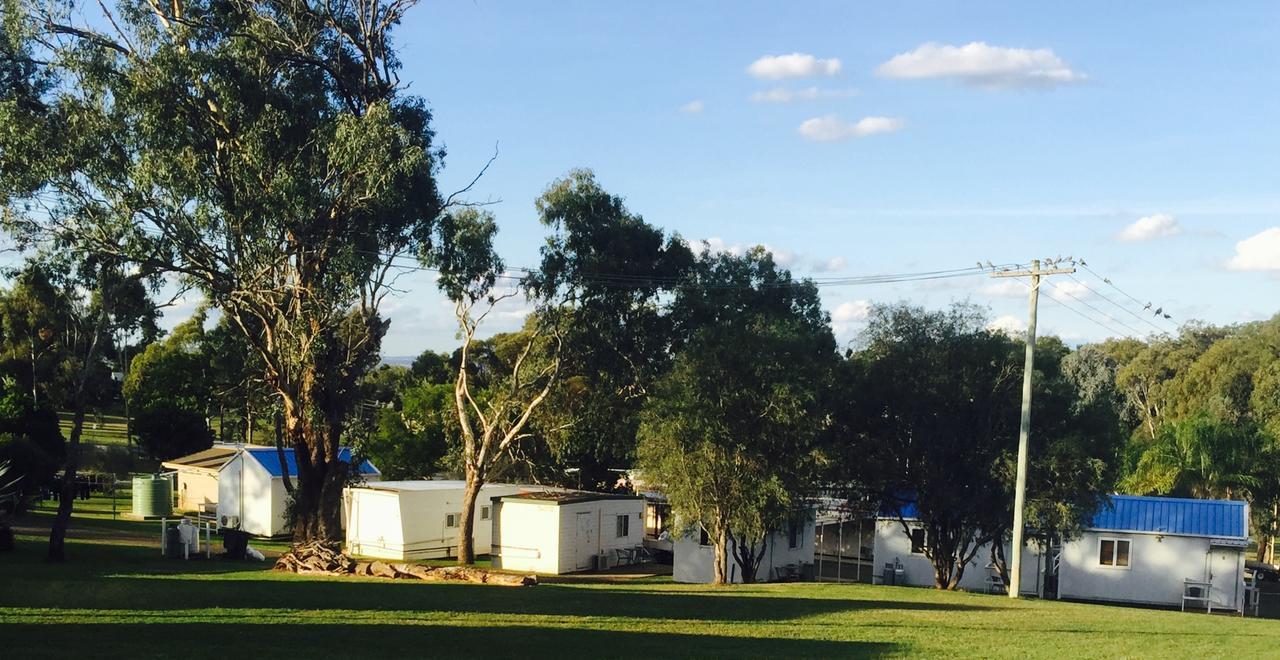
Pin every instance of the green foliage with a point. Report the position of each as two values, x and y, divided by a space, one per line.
166 432
1200 457
731 440
414 432
30 441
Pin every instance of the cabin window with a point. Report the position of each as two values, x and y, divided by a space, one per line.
451 520
1113 553
918 539
704 538
793 534
484 513
624 526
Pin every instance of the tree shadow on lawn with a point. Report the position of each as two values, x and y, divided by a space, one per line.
381 640
130 592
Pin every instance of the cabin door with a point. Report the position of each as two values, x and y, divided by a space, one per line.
1226 567
587 544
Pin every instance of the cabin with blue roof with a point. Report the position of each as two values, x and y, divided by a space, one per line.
1139 550
251 492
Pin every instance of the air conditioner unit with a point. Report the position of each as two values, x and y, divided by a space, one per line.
602 561
230 522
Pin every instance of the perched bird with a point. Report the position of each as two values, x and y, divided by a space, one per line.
1167 316
1159 311
991 265
1108 281
1082 263
1147 307
979 264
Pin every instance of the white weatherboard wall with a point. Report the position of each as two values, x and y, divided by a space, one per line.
892 545
405 520
695 563
552 537
1157 566
248 492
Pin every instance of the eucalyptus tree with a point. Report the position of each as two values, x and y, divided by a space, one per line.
731 433
264 153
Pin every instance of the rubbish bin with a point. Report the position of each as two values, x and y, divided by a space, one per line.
234 543
172 543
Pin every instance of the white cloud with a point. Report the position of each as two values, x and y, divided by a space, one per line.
832 265
848 318
1010 325
977 64
693 106
831 128
784 95
1159 225
852 311
795 65
1258 252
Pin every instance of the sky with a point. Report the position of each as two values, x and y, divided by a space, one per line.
882 137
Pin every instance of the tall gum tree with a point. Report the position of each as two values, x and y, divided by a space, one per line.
263 152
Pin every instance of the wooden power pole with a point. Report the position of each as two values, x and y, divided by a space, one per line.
1024 430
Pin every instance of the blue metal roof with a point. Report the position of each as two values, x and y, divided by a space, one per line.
270 459
1227 519
1173 515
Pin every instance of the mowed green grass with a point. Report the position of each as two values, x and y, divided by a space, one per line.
116 597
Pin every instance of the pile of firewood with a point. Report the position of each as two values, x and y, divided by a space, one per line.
443 574
329 560
316 558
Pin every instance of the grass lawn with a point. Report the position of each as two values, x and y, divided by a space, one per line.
117 597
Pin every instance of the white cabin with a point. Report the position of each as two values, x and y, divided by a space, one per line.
404 520
1136 550
566 531
251 491
787 555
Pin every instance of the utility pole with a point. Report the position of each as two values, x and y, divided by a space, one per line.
1024 430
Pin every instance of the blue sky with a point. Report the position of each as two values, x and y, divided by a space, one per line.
946 133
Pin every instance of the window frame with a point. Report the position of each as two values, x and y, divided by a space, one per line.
451 520
622 525
704 539
918 548
485 512
1115 553
795 534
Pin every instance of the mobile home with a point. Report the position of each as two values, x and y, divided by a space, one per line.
560 532
405 520
788 555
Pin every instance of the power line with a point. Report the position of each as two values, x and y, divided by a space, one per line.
1119 306
1107 281
1104 314
1082 315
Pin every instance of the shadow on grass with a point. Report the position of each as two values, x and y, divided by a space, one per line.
383 640
129 593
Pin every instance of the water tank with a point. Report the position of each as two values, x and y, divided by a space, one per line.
152 496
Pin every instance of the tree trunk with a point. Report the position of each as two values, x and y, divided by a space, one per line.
317 492
58 534
466 521
720 563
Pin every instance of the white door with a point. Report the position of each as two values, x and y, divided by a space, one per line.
1225 567
588 542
